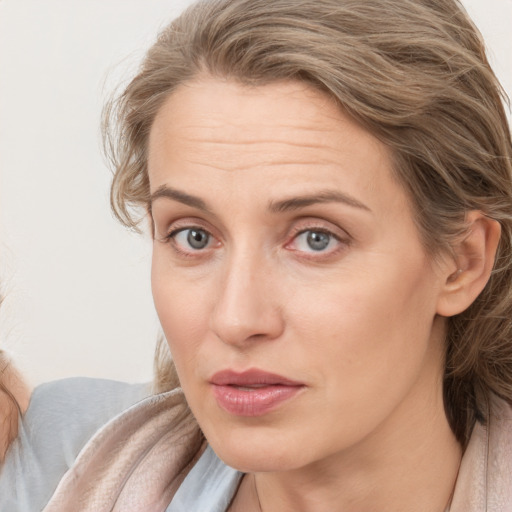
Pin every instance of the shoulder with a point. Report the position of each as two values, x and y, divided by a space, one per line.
499 431
63 415
83 399
61 418
499 457
141 456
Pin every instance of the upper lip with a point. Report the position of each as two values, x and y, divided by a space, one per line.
252 377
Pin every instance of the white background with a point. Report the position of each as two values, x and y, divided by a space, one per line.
77 284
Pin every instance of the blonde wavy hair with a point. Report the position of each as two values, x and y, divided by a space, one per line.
14 397
13 402
412 72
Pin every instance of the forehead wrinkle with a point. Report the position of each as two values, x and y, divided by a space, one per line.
206 145
250 154
252 131
262 163
211 124
252 142
244 133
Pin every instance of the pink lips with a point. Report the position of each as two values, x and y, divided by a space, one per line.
253 392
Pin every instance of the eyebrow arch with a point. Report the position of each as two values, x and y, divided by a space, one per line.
295 203
327 196
178 195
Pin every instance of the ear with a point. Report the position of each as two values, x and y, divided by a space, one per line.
474 261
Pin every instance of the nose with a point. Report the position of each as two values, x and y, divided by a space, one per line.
247 308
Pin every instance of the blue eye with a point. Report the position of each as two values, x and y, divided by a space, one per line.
315 241
191 238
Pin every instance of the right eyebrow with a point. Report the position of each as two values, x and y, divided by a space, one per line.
179 196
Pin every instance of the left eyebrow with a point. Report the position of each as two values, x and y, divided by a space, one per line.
327 196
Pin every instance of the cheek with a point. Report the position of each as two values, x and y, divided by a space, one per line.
182 313
370 329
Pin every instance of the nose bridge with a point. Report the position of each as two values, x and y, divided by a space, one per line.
245 307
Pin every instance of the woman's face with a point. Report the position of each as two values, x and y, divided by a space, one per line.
289 277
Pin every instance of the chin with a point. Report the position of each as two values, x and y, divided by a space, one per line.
252 452
254 461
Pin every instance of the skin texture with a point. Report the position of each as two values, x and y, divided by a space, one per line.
355 323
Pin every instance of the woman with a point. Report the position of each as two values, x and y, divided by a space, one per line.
329 185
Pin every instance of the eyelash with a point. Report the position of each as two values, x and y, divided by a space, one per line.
321 254
171 239
293 237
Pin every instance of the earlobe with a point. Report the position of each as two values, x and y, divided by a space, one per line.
474 256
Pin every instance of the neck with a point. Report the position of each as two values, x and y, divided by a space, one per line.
409 463
415 474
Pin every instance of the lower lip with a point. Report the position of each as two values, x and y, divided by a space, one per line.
255 402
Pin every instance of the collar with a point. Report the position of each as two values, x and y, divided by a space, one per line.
484 483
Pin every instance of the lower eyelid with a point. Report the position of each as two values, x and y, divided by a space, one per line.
169 237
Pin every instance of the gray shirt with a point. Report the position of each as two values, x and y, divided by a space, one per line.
61 418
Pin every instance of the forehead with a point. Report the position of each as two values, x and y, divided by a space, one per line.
288 133
225 111
217 102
